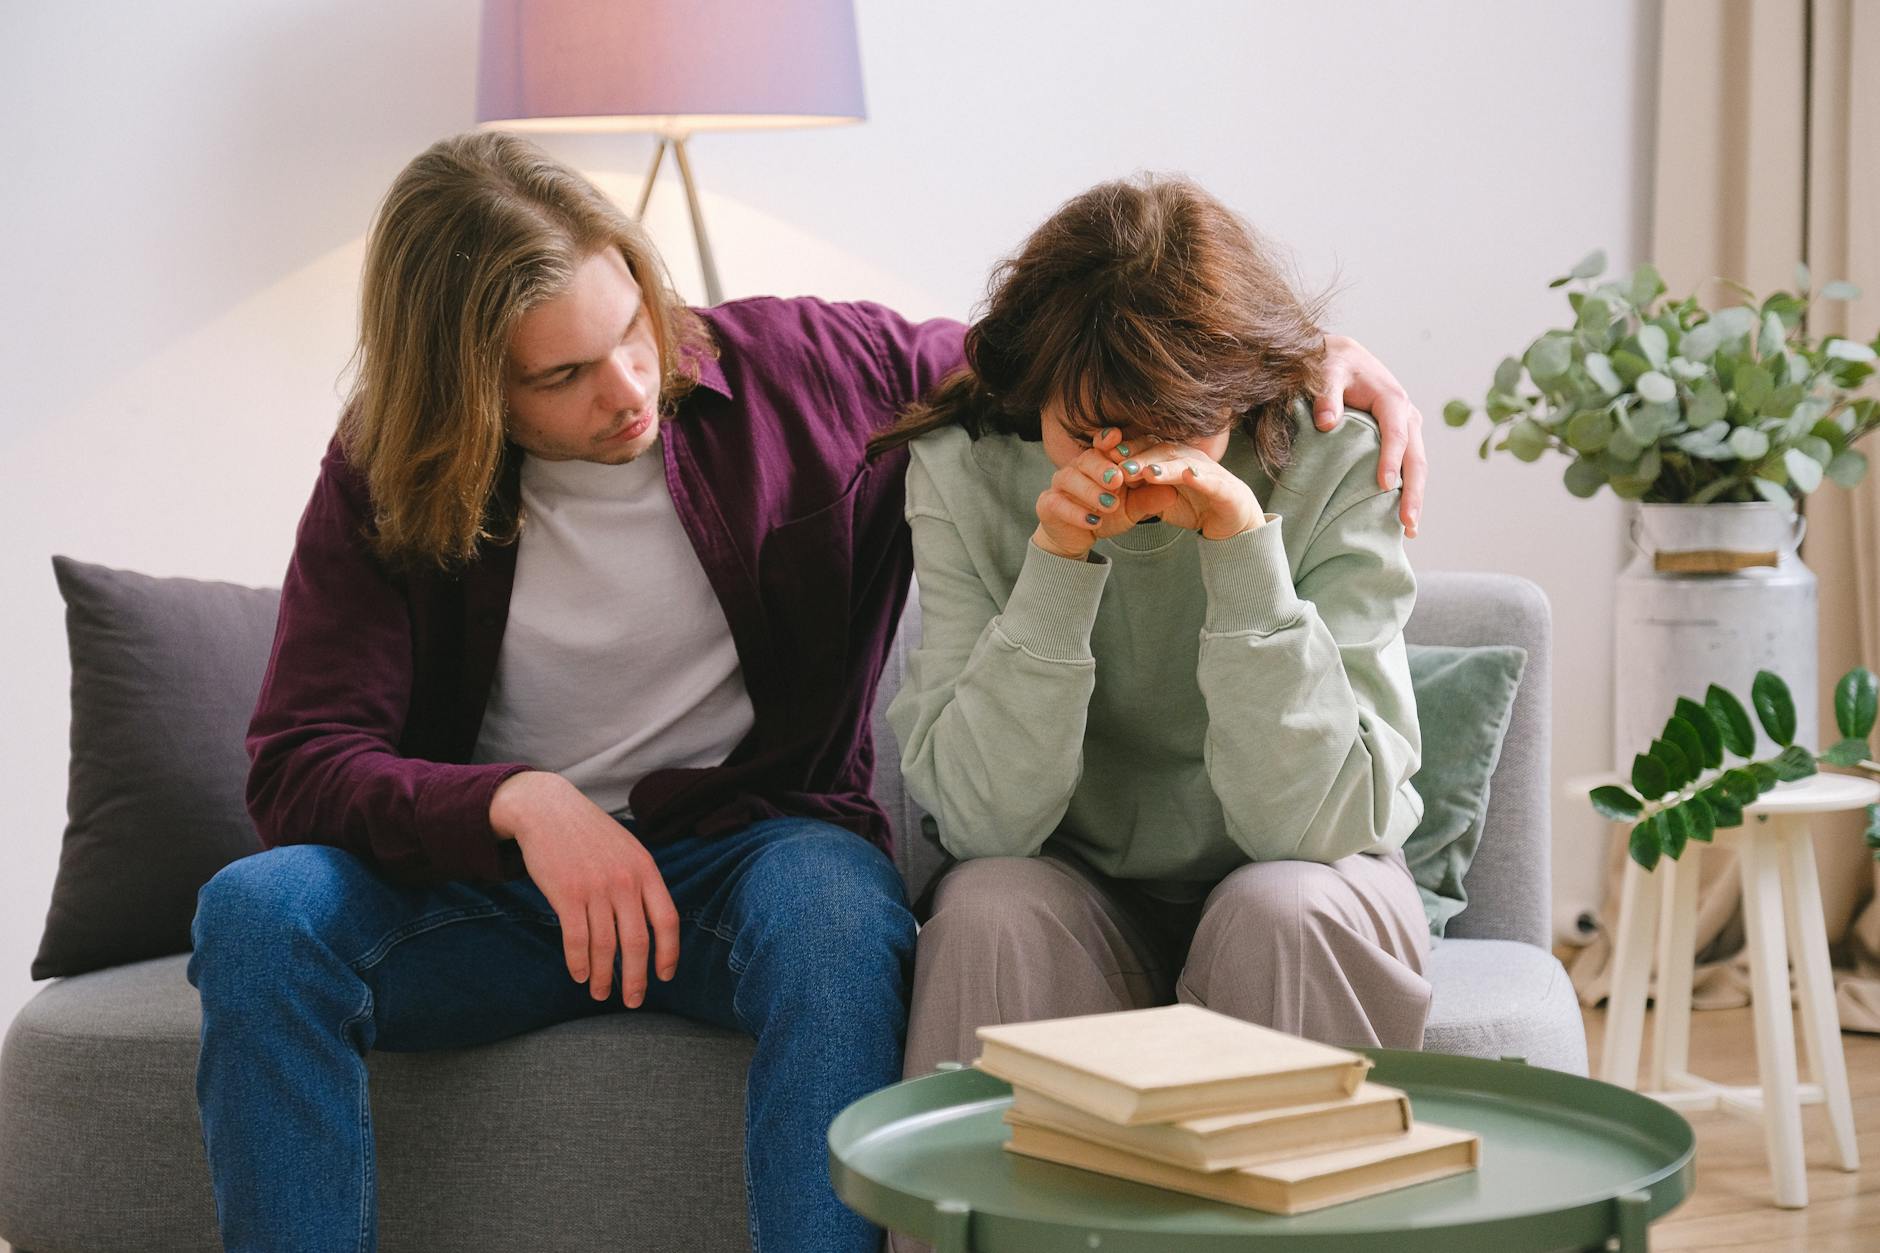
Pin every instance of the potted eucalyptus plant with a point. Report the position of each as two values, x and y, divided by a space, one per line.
1668 403
1716 423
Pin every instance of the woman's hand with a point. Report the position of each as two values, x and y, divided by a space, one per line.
1187 488
1356 378
1085 500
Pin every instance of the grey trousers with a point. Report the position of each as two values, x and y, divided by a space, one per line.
1333 952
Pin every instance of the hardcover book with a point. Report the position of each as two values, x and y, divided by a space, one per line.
1292 1186
1167 1064
1373 1113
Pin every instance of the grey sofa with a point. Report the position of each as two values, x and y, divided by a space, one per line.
509 1146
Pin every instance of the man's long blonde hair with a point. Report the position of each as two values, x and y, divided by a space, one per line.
474 233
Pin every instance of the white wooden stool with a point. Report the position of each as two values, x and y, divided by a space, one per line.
1782 915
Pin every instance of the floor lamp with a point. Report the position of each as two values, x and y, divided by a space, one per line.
671 67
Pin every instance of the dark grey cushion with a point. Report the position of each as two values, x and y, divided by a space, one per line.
164 678
1465 697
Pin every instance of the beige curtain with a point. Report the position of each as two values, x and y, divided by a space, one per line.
1768 135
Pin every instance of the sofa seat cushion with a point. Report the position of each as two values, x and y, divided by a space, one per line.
623 1132
1502 998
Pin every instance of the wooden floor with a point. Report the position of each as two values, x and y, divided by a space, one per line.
1732 1207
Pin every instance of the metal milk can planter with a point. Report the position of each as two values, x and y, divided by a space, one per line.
1713 594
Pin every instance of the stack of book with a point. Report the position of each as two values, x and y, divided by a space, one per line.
1188 1099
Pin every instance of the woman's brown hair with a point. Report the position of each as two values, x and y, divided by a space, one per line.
1146 303
476 231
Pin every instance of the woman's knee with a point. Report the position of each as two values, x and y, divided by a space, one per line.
1265 927
1278 899
988 898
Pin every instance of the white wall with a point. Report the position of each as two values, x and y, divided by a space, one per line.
187 187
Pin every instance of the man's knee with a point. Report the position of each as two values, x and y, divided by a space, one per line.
827 892
259 903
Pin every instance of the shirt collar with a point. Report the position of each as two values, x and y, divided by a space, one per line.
711 373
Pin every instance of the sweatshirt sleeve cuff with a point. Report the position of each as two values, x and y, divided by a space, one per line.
1054 605
1248 582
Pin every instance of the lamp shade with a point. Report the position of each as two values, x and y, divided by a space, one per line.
673 66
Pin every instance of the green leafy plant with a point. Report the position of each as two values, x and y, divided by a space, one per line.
1669 403
1682 790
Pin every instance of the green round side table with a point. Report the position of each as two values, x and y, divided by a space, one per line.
1566 1163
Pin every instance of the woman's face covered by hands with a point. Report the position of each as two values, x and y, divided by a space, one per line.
1107 482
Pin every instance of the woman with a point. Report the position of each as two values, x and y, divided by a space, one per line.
1160 709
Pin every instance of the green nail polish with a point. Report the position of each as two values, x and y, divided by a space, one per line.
1122 450
1109 475
1092 519
1130 467
1106 500
1156 471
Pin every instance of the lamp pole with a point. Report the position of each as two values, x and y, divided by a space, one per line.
714 294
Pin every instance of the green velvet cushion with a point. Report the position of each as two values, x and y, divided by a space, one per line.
1464 699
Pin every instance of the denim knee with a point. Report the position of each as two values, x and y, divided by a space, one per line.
825 899
264 905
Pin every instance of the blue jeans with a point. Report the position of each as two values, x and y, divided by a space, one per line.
793 931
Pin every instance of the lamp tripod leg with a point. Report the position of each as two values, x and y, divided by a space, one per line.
713 293
652 173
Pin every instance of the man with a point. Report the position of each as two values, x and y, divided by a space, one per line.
571 682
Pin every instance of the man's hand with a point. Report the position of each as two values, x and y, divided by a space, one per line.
1355 378
601 882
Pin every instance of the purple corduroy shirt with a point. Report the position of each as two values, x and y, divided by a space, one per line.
376 686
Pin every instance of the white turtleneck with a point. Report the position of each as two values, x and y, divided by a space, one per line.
617 660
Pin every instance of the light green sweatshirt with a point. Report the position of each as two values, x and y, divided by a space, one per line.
1172 707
